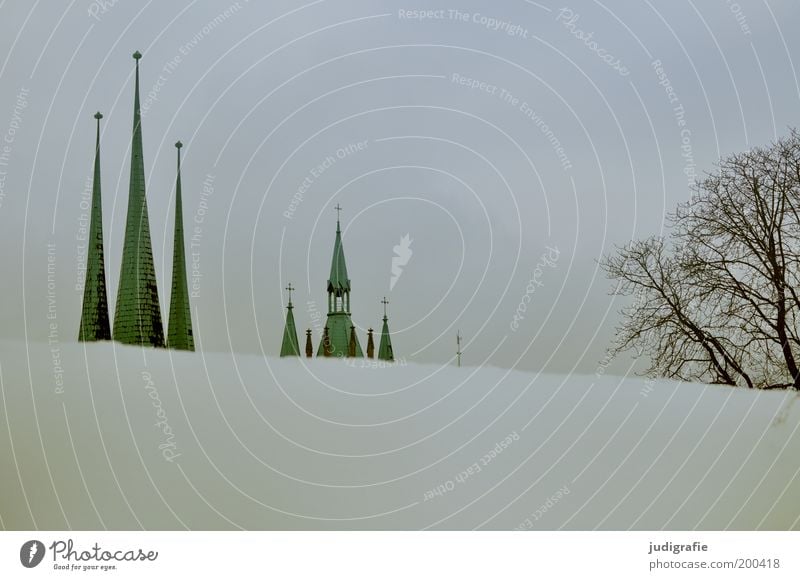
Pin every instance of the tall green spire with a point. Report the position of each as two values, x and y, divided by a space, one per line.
179 335
385 351
94 315
138 316
338 324
290 346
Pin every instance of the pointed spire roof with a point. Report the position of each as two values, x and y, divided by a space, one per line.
351 345
95 323
138 315
338 282
309 346
385 351
290 346
179 335
370 344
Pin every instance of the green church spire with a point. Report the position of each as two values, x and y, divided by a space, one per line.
180 316
94 315
138 316
385 351
290 346
338 282
338 324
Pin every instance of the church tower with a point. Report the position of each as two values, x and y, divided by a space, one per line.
95 323
385 351
340 334
179 334
138 315
290 346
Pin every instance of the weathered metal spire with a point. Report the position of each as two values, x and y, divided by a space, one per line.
370 344
351 346
95 323
179 334
385 351
289 346
309 346
338 323
138 315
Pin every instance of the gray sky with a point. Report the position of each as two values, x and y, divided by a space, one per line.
561 147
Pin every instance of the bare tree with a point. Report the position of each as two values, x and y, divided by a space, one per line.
719 301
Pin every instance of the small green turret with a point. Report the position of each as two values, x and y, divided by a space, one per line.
290 346
385 351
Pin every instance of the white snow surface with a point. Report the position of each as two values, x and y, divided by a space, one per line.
106 436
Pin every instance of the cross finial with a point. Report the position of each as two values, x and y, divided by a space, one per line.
290 288
384 302
338 209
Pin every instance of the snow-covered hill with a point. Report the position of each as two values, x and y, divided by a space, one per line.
120 438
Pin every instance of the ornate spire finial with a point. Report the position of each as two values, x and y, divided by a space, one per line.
137 55
370 344
385 303
338 209
290 288
98 115
178 146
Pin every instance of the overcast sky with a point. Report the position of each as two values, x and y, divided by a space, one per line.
513 143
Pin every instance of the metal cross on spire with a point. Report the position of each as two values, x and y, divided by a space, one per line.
290 288
384 302
338 209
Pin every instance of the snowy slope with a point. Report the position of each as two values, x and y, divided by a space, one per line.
157 439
